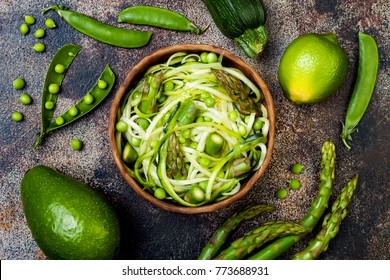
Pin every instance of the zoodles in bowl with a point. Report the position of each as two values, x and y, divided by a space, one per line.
192 129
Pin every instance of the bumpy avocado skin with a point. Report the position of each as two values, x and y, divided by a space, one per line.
68 219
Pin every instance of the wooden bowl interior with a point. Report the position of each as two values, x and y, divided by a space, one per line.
161 56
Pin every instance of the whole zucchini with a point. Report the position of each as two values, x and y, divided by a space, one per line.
241 20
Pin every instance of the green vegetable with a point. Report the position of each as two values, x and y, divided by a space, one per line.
121 126
39 33
129 154
59 68
68 219
76 144
19 83
297 168
53 88
81 108
53 77
39 47
281 193
49 105
330 225
24 29
294 184
17 116
102 32
221 234
102 84
49 22
158 17
160 193
318 207
259 236
29 19
25 99
241 20
364 86
173 147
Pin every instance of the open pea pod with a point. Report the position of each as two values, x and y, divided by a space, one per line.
90 101
64 58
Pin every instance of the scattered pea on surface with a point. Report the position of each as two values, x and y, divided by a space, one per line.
297 168
88 99
73 111
49 22
53 88
294 184
102 84
29 19
19 83
121 126
39 47
281 193
60 120
76 144
25 99
39 33
49 105
24 29
17 116
59 68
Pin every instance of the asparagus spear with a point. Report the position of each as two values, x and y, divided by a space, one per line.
330 225
220 235
281 245
151 93
257 237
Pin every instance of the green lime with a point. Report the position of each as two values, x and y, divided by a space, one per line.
312 68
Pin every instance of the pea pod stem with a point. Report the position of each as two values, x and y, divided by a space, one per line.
364 86
112 35
158 17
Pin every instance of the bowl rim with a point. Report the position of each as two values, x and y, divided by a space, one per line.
156 57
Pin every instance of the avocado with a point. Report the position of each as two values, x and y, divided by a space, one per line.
68 219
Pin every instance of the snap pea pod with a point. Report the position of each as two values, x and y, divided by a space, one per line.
64 57
112 35
365 83
158 17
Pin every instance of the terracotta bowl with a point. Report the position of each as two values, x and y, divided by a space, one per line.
161 56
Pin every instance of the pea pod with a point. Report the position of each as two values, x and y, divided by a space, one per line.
64 57
365 83
158 17
102 32
82 106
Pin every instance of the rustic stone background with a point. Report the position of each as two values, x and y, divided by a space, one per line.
151 233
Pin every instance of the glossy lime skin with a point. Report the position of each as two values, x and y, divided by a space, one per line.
68 219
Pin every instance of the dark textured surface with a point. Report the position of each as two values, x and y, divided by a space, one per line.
151 233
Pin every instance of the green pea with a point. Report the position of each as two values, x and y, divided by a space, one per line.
242 130
53 88
203 57
143 123
76 144
199 119
281 193
233 115
160 193
257 125
162 98
25 99
247 119
39 47
204 162
294 184
102 84
210 102
136 95
212 57
73 111
207 119
136 142
59 68
297 168
39 33
49 105
29 19
50 23
19 83
169 86
24 29
204 96
193 145
186 133
88 99
60 120
17 116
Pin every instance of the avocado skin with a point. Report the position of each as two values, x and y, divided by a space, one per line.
68 219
